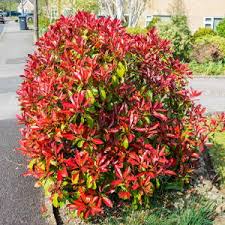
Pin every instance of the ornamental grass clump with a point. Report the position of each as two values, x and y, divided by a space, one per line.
108 116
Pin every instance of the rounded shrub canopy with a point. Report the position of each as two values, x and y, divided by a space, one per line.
108 115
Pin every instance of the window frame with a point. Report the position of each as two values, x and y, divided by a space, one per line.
211 21
155 16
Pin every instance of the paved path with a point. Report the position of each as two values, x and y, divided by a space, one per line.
213 93
20 202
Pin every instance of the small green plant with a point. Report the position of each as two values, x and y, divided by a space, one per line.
221 28
202 31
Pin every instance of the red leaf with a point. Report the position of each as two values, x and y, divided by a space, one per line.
124 195
62 173
195 155
68 136
116 183
97 141
159 116
107 201
170 172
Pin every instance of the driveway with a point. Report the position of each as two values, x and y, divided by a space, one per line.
213 93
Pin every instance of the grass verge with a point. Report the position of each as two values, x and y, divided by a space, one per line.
217 153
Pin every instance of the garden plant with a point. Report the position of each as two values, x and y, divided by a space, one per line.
108 116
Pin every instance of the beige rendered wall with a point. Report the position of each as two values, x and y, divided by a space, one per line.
195 10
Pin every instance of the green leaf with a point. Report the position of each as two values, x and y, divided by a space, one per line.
149 94
115 80
80 143
63 126
90 96
125 143
31 164
55 200
89 181
102 93
94 91
147 119
47 184
53 162
157 183
120 70
90 120
70 93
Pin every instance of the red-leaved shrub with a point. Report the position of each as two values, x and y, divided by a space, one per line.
107 115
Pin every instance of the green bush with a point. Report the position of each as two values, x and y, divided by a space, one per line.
208 48
221 28
202 31
177 31
220 41
153 23
137 30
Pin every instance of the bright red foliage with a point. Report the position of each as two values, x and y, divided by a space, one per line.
107 112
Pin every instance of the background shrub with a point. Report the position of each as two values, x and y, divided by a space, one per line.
44 23
209 48
220 28
136 30
203 31
153 23
108 116
177 31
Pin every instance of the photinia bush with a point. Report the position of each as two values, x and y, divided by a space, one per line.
108 116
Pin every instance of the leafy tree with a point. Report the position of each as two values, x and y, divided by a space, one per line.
85 5
9 5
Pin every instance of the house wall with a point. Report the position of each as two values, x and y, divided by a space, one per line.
28 7
196 10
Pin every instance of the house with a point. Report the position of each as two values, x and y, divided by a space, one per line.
200 13
26 6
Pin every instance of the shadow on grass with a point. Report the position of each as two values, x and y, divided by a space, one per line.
193 211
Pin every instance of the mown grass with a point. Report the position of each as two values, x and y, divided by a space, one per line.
217 152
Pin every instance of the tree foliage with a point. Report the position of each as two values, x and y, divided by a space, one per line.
117 9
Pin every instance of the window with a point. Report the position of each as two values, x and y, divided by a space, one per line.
68 12
54 13
164 18
148 20
212 22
